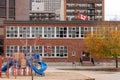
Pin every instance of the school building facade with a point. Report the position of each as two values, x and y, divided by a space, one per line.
65 38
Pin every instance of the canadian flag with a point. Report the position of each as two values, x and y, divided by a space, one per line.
81 16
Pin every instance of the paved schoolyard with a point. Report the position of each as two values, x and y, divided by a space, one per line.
56 73
52 74
97 75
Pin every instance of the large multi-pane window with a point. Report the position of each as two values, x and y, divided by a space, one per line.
47 32
7 9
12 31
10 50
2 2
100 31
12 12
85 31
24 49
24 32
61 51
51 52
3 8
12 9
36 31
73 32
55 51
61 32
3 12
37 49
11 3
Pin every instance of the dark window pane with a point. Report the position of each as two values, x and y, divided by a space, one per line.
2 12
11 12
12 3
2 2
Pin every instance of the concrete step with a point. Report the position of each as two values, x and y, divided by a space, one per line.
87 64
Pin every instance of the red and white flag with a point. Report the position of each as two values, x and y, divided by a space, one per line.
81 16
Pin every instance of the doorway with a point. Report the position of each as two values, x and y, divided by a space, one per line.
85 56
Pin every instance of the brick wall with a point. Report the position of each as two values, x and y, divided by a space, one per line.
72 44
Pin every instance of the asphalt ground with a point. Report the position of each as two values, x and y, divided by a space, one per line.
61 71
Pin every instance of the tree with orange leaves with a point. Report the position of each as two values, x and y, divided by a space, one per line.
104 45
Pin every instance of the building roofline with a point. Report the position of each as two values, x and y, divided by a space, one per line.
59 22
41 11
49 22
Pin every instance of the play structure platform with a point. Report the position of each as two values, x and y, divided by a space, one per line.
21 64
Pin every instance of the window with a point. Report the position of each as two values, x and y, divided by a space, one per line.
73 32
99 4
69 18
36 31
82 5
91 12
91 5
24 49
51 51
61 32
11 12
99 31
91 18
55 51
24 32
70 4
70 10
99 11
73 53
10 50
3 3
84 31
3 11
12 32
82 11
49 32
11 3
37 49
61 51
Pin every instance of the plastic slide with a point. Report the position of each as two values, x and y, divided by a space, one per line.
43 66
37 70
9 64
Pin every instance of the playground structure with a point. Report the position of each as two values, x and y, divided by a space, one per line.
20 65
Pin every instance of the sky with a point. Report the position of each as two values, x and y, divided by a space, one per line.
112 10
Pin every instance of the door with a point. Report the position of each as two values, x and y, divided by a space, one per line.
85 56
